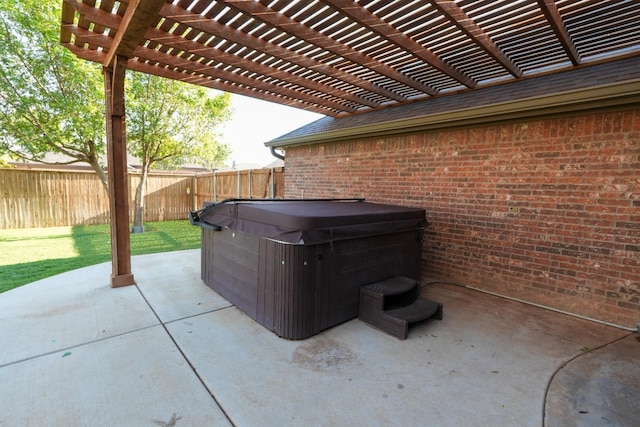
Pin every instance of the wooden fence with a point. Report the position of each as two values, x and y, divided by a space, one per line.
246 184
50 198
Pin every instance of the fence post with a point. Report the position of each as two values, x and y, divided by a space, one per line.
273 184
239 186
249 179
215 187
194 192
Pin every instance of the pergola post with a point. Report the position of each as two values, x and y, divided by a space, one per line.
117 169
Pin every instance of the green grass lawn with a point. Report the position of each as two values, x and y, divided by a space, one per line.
31 254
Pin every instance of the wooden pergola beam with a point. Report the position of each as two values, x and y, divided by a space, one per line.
135 22
162 70
459 17
66 22
291 26
250 91
178 68
175 14
348 56
216 73
387 31
551 12
217 55
209 26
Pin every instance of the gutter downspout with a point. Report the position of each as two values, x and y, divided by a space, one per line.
276 154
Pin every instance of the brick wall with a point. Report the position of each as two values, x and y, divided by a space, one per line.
546 211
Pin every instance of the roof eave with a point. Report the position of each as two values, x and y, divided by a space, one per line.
615 95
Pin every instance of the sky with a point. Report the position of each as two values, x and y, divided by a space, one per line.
255 122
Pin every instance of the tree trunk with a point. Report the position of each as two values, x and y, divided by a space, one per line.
138 216
95 165
102 175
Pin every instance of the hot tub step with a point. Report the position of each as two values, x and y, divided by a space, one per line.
394 286
393 304
420 309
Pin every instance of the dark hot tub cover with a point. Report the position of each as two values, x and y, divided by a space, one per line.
309 222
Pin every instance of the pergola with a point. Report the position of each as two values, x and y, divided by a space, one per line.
334 57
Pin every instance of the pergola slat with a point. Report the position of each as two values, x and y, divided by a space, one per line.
289 25
168 40
466 24
552 14
212 53
176 14
365 18
159 70
363 55
226 87
177 63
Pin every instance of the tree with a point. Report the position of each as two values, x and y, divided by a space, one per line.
170 123
50 101
53 102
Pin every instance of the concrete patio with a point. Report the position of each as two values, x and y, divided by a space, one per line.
171 352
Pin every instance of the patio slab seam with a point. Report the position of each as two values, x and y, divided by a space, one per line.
182 352
79 345
191 316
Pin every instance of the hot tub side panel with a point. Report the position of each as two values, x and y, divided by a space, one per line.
230 267
287 289
297 291
206 253
303 290
351 264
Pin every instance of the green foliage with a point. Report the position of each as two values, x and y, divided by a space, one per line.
50 101
35 253
170 123
4 164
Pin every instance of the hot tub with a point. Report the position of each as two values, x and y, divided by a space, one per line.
297 266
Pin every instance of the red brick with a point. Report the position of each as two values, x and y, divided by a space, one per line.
573 179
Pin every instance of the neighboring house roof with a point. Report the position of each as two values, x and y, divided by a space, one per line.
57 161
277 163
609 84
239 166
62 161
